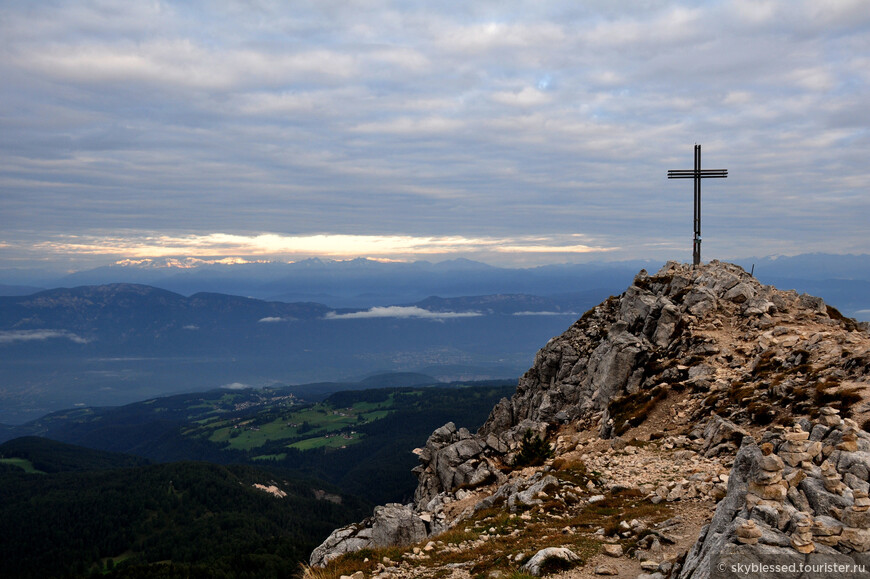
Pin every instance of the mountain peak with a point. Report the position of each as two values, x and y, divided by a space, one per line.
703 327
641 406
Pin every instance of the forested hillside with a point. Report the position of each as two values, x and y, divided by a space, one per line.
359 440
69 511
208 520
49 456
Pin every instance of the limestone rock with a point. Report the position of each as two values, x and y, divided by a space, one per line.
830 416
340 541
396 524
391 524
523 492
826 531
820 525
536 563
853 518
802 537
720 431
861 501
855 539
820 499
832 479
748 533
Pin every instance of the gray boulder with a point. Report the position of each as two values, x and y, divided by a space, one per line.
344 540
521 492
721 434
391 524
453 459
535 565
820 500
396 524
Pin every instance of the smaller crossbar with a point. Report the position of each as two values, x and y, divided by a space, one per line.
691 174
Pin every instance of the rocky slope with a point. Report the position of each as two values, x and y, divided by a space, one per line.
647 401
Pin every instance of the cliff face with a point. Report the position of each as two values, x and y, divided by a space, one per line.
691 360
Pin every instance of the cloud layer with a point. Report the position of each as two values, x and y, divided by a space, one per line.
12 336
400 312
389 129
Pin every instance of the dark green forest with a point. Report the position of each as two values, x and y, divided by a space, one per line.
196 515
84 512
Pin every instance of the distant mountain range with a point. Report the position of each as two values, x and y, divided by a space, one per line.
354 283
135 330
118 343
366 282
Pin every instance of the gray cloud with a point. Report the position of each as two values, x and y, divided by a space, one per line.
488 120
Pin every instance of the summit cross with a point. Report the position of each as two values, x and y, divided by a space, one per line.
697 174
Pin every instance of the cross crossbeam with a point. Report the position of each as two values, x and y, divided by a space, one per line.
697 174
690 174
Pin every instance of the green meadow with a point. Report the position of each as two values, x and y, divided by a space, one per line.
315 426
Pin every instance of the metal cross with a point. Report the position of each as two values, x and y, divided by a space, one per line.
697 174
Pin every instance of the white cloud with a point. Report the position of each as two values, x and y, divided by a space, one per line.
270 320
526 97
143 249
184 63
11 336
412 126
756 11
400 312
236 386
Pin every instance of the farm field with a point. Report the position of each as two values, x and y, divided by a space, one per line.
316 426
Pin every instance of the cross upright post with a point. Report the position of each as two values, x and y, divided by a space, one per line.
697 174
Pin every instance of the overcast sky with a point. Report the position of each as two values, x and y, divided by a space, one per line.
511 132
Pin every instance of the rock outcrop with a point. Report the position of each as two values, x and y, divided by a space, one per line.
725 355
787 502
666 329
392 524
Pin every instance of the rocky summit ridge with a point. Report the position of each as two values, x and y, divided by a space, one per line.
697 419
